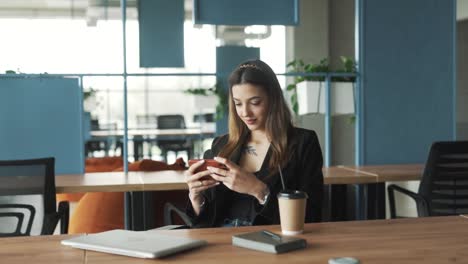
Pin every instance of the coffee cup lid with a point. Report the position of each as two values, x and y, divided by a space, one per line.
292 194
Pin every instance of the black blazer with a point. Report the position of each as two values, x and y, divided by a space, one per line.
303 172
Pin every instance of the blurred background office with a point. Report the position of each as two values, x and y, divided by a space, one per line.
85 37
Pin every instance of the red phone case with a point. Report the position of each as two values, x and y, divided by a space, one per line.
208 162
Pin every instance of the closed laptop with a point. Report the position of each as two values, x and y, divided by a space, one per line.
141 244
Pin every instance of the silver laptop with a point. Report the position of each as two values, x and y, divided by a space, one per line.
140 244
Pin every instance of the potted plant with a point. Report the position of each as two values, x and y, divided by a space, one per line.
308 92
215 92
89 100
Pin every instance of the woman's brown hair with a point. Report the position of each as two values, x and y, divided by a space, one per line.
278 122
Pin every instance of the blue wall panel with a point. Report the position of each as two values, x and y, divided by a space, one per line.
227 59
161 24
246 12
408 83
42 117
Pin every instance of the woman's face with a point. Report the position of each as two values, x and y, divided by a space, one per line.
251 104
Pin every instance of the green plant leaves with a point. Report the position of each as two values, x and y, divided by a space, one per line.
89 93
298 66
215 90
294 103
198 91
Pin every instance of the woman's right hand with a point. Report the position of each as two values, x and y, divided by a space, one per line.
197 184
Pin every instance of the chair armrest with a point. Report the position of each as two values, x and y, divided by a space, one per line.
421 203
169 209
64 213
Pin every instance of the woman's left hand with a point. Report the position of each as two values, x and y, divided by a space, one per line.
237 179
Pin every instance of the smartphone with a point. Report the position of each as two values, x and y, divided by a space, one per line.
208 162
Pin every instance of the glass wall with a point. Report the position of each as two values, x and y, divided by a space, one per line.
73 37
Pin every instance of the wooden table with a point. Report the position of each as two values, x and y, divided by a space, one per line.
135 182
375 193
391 172
372 194
99 182
38 250
341 175
435 240
171 180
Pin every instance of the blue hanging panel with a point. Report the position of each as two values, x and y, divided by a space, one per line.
246 12
161 25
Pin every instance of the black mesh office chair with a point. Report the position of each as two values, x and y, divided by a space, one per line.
204 118
444 185
173 143
27 199
147 121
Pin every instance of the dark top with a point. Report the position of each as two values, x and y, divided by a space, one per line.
303 172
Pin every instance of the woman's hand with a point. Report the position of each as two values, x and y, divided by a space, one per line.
237 179
197 183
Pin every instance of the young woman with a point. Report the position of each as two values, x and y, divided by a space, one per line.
261 141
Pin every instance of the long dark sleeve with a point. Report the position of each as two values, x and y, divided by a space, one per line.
207 213
311 179
303 172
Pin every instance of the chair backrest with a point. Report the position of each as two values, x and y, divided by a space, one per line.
95 124
445 181
171 121
25 183
146 121
205 118
24 214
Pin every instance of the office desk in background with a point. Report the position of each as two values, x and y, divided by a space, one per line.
402 241
135 183
391 172
174 180
370 205
138 136
375 193
170 180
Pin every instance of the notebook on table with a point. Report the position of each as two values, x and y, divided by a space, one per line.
267 241
140 244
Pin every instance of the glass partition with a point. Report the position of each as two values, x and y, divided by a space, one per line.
84 39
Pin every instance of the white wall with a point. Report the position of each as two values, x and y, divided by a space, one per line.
462 9
309 40
341 41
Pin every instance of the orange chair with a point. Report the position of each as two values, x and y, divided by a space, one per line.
98 212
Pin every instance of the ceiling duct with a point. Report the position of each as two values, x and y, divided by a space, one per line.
236 35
